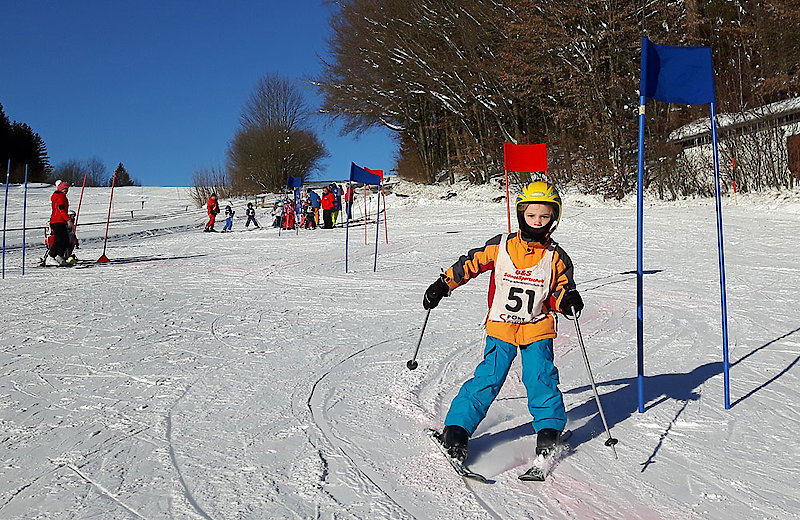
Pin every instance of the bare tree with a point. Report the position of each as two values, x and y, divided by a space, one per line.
275 140
457 78
73 171
207 181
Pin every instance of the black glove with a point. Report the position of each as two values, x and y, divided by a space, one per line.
435 293
571 299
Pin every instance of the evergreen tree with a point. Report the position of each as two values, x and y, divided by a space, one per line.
5 139
22 146
123 178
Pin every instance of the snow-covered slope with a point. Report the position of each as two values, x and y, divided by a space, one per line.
246 375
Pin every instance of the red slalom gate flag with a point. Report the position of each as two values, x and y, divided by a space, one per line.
379 173
525 157
522 158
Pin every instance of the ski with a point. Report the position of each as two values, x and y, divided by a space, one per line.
544 464
457 465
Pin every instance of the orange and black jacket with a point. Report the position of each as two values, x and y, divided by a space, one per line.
524 255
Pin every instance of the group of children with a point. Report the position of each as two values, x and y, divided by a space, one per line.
213 209
288 214
250 212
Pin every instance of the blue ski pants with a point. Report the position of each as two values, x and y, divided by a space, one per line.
539 375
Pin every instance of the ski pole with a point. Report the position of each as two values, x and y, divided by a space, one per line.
610 442
412 363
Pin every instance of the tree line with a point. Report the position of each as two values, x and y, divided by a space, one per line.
457 78
21 146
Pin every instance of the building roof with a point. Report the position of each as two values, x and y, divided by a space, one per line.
781 112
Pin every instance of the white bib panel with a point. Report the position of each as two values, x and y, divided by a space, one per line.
520 293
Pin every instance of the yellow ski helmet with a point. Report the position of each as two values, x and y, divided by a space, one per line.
540 192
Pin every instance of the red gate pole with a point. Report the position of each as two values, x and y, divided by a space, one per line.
104 258
80 201
385 221
508 200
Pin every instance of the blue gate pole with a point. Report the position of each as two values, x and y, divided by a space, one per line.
297 209
723 297
347 227
24 219
5 212
640 259
377 230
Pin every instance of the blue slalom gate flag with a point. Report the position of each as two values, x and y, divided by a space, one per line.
364 176
294 182
359 174
677 74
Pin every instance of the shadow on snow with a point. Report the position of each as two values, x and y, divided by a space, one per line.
621 403
135 260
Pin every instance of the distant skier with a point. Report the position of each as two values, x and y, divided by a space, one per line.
348 199
309 221
337 202
288 214
229 213
59 217
277 213
251 216
72 242
532 278
212 206
315 203
328 201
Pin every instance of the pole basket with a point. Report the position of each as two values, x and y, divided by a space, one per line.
103 259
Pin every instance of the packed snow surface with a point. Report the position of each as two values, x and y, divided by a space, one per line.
247 375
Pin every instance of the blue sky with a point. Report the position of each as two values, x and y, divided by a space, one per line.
159 86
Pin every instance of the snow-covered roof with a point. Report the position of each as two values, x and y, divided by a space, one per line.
728 121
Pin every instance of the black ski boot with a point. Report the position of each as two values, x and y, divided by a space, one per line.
546 440
455 439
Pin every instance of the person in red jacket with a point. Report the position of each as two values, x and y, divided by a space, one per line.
213 209
328 202
58 224
348 199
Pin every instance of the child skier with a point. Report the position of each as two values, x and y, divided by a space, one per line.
532 277
277 213
308 209
229 213
73 239
288 214
251 216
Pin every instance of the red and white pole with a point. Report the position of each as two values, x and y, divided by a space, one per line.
80 201
104 258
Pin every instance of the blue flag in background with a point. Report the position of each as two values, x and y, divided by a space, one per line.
677 74
294 182
361 175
